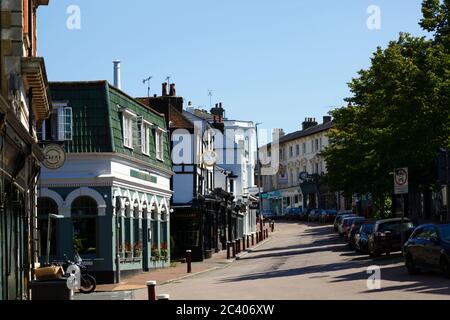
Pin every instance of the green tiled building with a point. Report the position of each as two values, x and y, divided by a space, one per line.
114 187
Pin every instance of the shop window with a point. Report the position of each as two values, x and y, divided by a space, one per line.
45 206
154 226
84 220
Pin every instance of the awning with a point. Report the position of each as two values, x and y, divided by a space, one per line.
35 78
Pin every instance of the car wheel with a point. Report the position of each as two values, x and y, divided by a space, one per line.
410 265
445 267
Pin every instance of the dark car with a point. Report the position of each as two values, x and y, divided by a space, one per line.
387 235
428 248
356 225
362 237
338 217
328 216
293 214
314 215
347 222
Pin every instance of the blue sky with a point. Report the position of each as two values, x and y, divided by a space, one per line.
274 62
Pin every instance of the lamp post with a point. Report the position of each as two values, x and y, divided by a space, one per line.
49 233
259 179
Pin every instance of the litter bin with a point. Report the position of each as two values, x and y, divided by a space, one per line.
54 289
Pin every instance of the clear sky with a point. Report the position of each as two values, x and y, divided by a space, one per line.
274 62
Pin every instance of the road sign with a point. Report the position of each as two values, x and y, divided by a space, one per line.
401 180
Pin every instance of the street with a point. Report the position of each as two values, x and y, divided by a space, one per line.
306 261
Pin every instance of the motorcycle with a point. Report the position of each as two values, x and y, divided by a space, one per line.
87 282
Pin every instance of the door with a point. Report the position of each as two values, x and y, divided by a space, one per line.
432 247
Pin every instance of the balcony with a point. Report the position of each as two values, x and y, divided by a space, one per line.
35 78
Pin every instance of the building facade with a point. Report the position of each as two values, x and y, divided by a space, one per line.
297 181
113 191
24 104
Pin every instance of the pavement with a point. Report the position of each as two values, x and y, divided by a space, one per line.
129 286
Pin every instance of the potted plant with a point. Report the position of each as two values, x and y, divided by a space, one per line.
155 254
137 250
164 254
128 251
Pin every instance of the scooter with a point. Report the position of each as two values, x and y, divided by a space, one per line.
87 282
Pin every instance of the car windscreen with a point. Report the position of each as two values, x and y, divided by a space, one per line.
444 232
367 228
394 226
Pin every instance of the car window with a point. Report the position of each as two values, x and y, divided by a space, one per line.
444 232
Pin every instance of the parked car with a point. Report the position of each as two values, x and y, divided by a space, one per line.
293 214
356 225
337 219
344 227
387 234
314 215
362 237
328 216
428 248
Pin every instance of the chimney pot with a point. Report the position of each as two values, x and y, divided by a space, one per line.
117 82
164 89
172 91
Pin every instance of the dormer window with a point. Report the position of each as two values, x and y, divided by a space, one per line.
127 121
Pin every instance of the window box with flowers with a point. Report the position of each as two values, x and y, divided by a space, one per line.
164 253
137 250
155 254
128 251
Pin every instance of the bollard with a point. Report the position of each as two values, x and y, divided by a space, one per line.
233 248
253 239
273 226
228 250
151 287
238 246
163 297
248 241
243 243
189 260
257 237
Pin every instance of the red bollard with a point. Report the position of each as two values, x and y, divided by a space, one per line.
189 260
151 287
228 250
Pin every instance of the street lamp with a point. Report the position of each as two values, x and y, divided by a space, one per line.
49 233
259 179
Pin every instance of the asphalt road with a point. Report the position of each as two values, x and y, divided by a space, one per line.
307 261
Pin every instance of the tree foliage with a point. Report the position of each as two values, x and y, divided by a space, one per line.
398 115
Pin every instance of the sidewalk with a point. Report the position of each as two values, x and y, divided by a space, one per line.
125 289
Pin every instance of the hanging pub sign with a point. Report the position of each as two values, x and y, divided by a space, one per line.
55 156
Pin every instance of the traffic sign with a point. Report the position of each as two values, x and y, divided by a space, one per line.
401 180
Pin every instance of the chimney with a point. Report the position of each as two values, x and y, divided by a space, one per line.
164 89
326 119
117 83
309 123
172 91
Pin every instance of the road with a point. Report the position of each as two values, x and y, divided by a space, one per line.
306 261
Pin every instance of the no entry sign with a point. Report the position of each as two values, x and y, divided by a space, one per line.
401 180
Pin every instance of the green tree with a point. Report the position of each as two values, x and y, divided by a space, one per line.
398 115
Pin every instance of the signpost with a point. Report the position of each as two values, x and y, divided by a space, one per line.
401 181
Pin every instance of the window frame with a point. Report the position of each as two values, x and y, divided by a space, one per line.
127 128
145 137
159 144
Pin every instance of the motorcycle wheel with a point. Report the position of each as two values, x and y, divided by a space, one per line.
88 284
